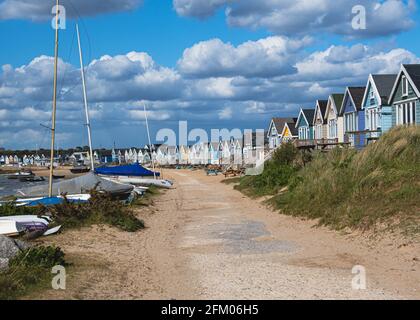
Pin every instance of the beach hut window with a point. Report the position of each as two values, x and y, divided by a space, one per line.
406 113
404 86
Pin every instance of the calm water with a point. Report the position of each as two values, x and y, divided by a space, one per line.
10 187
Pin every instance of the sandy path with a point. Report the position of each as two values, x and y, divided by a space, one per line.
207 241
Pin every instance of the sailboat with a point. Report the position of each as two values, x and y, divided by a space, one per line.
78 188
135 174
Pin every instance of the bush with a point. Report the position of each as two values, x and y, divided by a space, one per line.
100 209
29 270
13 210
277 173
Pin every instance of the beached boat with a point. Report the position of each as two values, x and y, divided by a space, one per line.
130 170
46 201
138 181
31 179
21 174
134 174
30 224
10 228
79 169
81 185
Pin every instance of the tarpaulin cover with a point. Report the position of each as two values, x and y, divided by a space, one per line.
79 185
133 170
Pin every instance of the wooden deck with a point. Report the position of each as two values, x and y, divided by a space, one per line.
321 144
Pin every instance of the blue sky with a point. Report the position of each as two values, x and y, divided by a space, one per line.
217 64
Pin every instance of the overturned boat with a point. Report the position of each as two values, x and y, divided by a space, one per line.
130 170
160 183
16 225
11 228
134 174
81 186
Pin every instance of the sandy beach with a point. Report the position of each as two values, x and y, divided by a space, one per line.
205 240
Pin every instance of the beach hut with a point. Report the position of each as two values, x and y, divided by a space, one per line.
161 153
226 154
378 113
214 148
405 96
114 156
140 156
320 125
304 124
354 118
289 132
335 124
129 159
274 134
183 154
238 152
205 153
146 157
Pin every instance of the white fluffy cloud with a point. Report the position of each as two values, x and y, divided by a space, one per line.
226 113
340 62
291 17
198 8
41 9
267 57
204 87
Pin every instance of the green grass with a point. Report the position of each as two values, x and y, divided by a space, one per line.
100 209
29 271
147 199
284 165
378 187
12 210
235 180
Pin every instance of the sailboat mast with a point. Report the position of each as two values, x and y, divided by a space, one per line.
82 70
54 110
150 143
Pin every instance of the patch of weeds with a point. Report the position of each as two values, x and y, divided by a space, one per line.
30 270
100 209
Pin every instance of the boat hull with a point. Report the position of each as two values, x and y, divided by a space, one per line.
136 181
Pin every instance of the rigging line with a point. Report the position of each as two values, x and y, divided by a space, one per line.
82 22
62 94
63 78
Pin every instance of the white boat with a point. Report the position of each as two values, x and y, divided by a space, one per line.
10 228
23 219
138 181
25 201
15 225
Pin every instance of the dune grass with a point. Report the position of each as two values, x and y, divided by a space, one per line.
284 165
376 187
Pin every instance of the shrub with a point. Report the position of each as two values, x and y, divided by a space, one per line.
277 173
100 209
29 270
